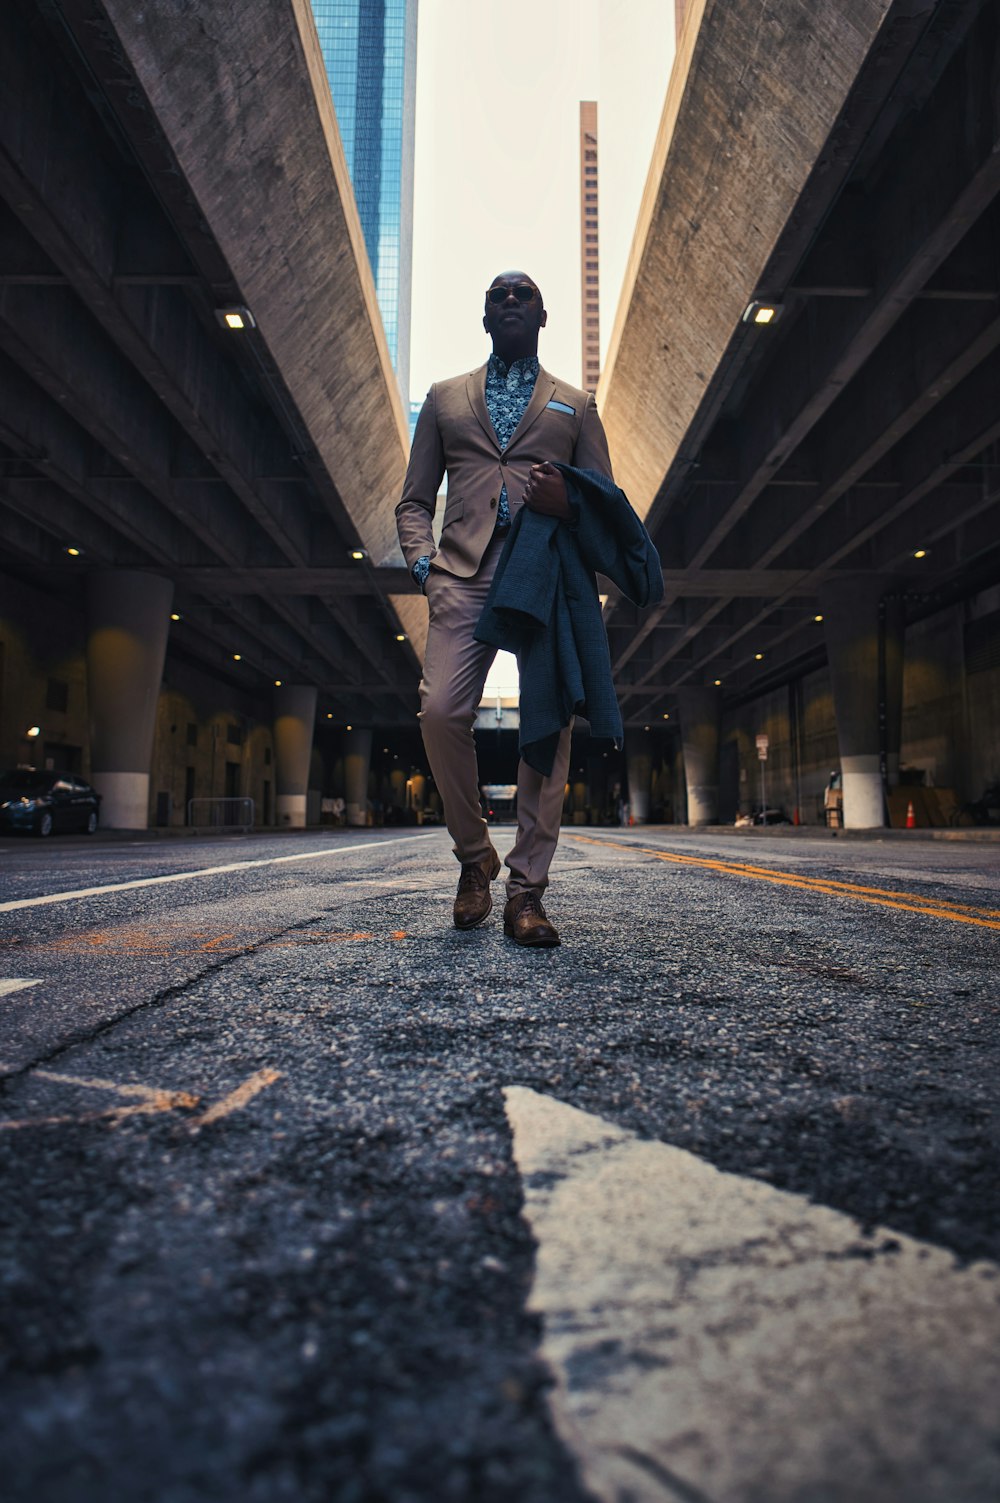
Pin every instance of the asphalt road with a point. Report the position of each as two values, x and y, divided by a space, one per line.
263 1229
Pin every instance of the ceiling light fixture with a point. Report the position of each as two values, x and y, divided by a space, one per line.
237 657
759 657
174 616
920 553
817 618
358 554
759 312
236 317
401 636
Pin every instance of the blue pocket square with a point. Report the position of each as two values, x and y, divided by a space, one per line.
561 407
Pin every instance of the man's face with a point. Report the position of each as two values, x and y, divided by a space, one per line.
514 318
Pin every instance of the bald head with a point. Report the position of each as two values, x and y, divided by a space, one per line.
514 314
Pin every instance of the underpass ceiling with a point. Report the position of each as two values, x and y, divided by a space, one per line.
864 424
156 165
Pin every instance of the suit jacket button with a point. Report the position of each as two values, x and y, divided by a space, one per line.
494 501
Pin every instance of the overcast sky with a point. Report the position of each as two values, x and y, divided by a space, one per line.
497 186
499 84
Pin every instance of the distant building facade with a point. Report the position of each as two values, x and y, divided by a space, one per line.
370 51
590 279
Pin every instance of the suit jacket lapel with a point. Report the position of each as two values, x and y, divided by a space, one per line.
475 387
542 394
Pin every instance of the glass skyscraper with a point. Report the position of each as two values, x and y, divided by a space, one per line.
370 51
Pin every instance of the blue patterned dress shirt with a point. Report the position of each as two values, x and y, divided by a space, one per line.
508 392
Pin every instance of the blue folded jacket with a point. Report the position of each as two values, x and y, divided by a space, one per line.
543 606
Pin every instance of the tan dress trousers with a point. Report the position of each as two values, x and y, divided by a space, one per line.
455 670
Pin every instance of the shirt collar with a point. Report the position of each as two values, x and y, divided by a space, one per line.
526 367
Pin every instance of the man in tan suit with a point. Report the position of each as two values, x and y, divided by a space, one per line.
498 434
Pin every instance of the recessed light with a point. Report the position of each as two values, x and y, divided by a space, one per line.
236 317
759 312
174 616
665 715
818 618
74 552
33 731
358 554
329 714
401 636
348 727
920 553
718 683
237 657
759 657
277 683
647 727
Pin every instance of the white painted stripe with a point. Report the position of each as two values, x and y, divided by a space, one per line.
715 1338
15 984
208 871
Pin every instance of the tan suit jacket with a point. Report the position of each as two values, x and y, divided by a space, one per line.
454 434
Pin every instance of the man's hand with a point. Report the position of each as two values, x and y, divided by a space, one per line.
546 491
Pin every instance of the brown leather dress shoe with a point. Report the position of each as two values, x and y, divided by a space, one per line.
473 901
525 922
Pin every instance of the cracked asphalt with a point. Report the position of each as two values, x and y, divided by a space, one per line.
262 1225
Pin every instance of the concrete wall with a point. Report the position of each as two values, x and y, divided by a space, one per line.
950 720
206 725
37 643
932 700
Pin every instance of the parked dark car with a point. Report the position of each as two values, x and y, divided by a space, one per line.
47 801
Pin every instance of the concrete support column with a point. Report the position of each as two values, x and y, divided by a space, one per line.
578 799
597 788
850 606
699 711
128 618
418 795
357 766
639 764
294 720
397 787
893 626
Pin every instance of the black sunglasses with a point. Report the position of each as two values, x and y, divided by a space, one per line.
522 291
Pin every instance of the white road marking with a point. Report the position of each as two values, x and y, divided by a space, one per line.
16 984
208 871
715 1338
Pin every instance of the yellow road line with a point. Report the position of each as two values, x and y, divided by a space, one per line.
242 1094
906 902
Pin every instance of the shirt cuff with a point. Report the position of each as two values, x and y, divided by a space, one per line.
420 570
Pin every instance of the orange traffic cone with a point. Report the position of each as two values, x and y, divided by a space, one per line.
911 818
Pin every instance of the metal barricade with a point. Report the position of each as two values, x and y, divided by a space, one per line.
221 813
